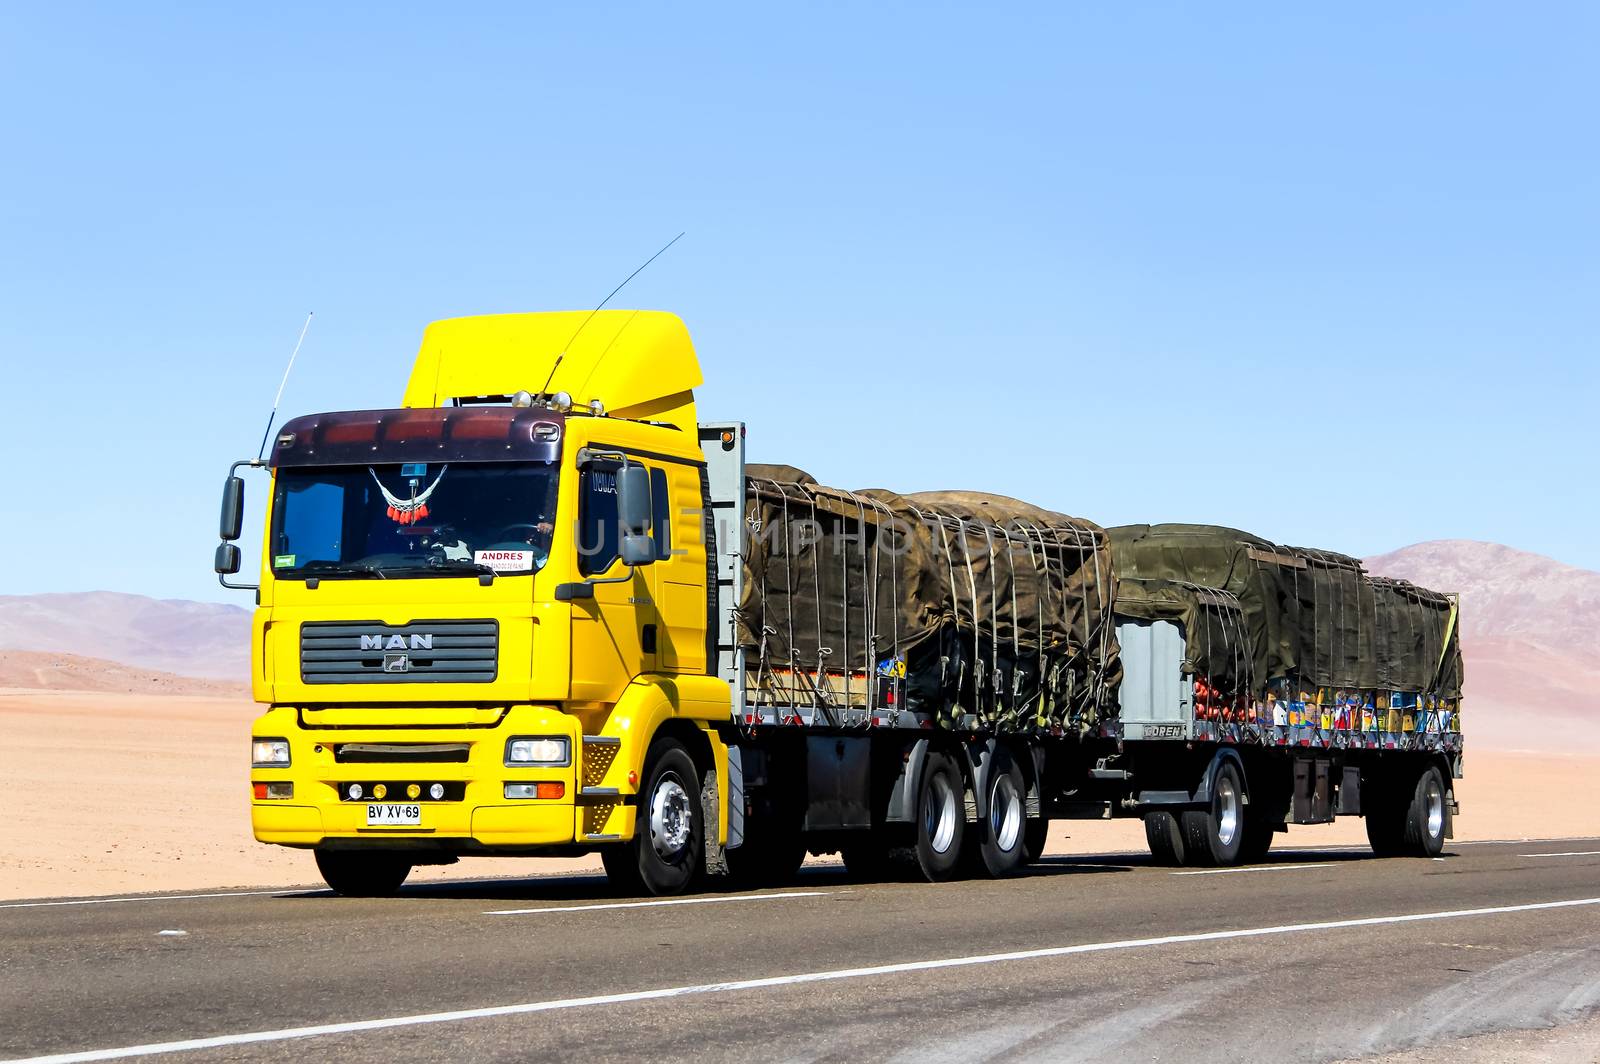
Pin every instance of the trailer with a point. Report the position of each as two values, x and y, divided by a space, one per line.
541 608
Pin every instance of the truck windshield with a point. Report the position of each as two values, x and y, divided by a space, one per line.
412 520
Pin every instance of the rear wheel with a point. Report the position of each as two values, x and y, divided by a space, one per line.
362 875
667 853
1165 837
1257 840
1215 835
1034 835
1422 834
941 818
1001 844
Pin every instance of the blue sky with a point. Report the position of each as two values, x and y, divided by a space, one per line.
1328 274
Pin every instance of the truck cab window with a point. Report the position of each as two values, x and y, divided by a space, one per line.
599 532
660 513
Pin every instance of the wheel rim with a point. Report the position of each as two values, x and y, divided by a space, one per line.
1227 810
670 818
1435 803
1005 814
939 821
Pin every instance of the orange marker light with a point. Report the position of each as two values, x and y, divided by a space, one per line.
260 790
551 790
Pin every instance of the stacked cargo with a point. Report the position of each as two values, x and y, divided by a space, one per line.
1331 649
977 610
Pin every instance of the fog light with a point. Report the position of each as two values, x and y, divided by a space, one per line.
413 791
355 792
265 791
379 791
436 792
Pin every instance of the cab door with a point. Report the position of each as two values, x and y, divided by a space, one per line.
610 630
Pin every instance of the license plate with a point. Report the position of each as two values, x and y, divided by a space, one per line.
386 815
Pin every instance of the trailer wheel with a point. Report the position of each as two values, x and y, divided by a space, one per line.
1165 837
1034 836
1422 835
941 818
1257 840
1002 847
667 853
362 875
1215 835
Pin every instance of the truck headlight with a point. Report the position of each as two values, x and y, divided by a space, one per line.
269 753
547 751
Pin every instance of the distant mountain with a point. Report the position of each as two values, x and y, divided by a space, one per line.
40 670
168 635
1530 632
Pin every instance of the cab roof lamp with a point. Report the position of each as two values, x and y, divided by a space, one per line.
597 408
522 400
561 402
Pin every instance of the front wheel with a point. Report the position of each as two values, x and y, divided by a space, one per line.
667 852
362 875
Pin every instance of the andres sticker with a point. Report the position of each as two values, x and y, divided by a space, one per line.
283 561
505 561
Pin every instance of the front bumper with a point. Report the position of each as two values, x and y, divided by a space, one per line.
483 820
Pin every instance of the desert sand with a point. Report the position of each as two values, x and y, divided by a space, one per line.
108 792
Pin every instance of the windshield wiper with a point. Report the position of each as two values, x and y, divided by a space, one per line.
325 568
443 566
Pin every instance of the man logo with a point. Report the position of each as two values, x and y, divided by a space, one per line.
397 663
418 641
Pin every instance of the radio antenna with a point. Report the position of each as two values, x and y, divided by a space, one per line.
279 397
557 364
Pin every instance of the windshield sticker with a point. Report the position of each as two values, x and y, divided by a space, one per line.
408 511
505 561
283 561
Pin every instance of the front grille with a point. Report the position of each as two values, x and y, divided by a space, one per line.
420 652
401 753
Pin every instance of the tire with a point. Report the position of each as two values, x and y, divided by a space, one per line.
1215 835
622 868
941 818
1002 848
1384 826
1422 832
1164 835
1257 840
362 875
1034 836
667 852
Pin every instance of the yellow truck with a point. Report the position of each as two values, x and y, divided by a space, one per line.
501 619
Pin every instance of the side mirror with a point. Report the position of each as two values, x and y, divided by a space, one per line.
227 559
232 521
637 550
633 501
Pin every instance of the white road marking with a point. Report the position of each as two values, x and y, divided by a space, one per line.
285 1034
1252 868
287 892
1572 853
662 901
172 932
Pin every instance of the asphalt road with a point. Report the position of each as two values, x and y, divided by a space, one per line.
1317 955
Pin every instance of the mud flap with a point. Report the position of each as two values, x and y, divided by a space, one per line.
716 854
